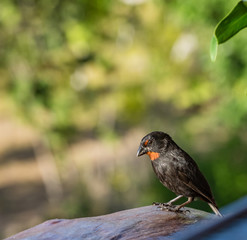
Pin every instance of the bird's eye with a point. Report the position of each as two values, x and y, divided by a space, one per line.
148 142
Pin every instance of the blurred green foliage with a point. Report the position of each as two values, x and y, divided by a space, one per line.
230 25
105 67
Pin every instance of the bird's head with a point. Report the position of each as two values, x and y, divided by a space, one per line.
154 144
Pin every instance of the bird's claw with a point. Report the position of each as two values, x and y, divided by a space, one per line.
164 206
170 207
167 207
175 209
160 205
182 211
156 203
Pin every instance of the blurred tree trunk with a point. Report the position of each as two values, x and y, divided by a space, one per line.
49 171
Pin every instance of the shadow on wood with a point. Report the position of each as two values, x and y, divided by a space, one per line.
139 223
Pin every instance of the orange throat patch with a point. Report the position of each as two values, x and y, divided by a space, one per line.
153 155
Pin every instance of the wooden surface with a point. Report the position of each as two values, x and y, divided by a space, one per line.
140 223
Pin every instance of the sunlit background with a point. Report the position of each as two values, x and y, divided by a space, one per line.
83 81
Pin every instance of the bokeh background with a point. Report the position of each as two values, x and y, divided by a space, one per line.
83 81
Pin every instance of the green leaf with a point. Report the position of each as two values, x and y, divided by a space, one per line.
213 48
232 23
229 26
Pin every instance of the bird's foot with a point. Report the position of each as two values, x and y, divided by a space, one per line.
156 203
163 205
179 210
169 207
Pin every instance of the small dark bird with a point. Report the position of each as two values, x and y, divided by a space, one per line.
176 170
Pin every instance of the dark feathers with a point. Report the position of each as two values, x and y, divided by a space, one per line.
175 168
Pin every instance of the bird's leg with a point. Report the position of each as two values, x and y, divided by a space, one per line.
173 208
168 204
190 199
174 200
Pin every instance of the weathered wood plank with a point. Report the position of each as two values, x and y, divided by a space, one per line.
139 223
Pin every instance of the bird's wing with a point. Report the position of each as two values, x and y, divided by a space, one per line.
198 185
192 177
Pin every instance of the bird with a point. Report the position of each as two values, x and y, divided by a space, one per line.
176 170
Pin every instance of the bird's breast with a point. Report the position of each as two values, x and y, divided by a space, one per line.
167 175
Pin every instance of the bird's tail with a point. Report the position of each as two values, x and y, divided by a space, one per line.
215 209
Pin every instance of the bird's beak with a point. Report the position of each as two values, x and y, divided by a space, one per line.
141 151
